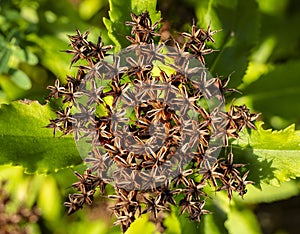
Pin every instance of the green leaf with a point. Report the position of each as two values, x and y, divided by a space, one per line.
141 225
269 193
218 205
96 226
237 38
242 221
21 55
20 79
4 58
284 16
25 141
139 6
88 8
210 226
10 89
188 226
49 200
172 224
203 11
277 92
272 156
119 13
51 55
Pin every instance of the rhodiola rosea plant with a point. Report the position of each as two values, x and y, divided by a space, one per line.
170 164
243 156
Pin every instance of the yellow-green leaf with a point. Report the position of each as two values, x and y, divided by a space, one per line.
119 13
24 139
272 156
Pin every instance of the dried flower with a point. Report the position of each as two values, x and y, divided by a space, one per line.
153 138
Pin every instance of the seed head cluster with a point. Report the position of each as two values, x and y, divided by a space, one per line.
149 130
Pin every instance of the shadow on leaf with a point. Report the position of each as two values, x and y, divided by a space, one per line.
261 170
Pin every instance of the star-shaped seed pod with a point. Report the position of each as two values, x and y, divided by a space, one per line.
154 122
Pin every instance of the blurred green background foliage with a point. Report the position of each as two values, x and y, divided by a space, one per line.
258 46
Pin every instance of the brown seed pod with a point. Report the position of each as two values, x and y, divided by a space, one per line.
142 113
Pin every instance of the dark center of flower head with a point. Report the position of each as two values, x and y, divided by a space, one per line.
154 121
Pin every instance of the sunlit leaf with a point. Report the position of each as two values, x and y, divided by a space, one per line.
49 200
242 221
203 11
141 225
269 193
88 8
172 224
52 55
272 156
88 226
25 141
11 90
210 225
